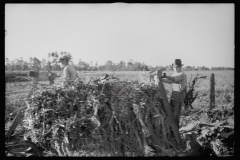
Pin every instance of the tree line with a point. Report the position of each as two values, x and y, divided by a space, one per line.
20 64
25 65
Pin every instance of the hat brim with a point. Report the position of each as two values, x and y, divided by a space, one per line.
175 65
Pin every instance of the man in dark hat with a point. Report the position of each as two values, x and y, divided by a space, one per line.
179 84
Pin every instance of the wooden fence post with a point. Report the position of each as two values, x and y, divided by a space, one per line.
212 91
167 108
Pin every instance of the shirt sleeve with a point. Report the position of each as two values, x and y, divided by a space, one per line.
66 75
167 80
179 77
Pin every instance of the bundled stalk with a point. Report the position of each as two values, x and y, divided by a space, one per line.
191 94
119 118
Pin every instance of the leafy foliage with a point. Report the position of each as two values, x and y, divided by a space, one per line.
117 117
213 130
191 94
201 123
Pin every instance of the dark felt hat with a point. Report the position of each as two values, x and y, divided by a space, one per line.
177 63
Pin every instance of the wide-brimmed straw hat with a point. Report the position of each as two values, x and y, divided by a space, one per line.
177 63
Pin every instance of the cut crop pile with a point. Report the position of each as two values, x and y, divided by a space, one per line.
120 118
213 130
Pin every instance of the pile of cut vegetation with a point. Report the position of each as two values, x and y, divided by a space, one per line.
213 130
118 118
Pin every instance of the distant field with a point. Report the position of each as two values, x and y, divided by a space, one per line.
224 83
224 86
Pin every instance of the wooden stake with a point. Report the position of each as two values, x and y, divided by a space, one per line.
212 91
167 108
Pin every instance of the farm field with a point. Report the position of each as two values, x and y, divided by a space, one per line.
224 81
224 93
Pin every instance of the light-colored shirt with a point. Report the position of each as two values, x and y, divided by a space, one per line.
180 81
69 74
155 77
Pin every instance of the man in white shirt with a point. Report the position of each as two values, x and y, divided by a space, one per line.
69 72
179 84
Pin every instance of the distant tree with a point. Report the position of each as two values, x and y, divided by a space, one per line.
121 66
91 64
85 65
21 63
44 64
130 65
49 56
145 68
12 65
25 66
6 61
169 67
188 68
54 67
48 66
30 62
109 65
101 67
17 65
163 68
7 64
71 62
74 65
80 65
137 66
96 65
204 68
150 67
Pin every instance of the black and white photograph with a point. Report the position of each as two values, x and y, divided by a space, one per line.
119 79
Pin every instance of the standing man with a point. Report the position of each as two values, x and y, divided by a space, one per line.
51 77
69 72
179 84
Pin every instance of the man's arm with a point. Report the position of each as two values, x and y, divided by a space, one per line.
175 78
179 78
66 76
167 80
170 78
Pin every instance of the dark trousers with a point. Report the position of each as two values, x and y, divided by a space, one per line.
176 102
51 82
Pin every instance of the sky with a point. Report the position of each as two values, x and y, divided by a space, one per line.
156 34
